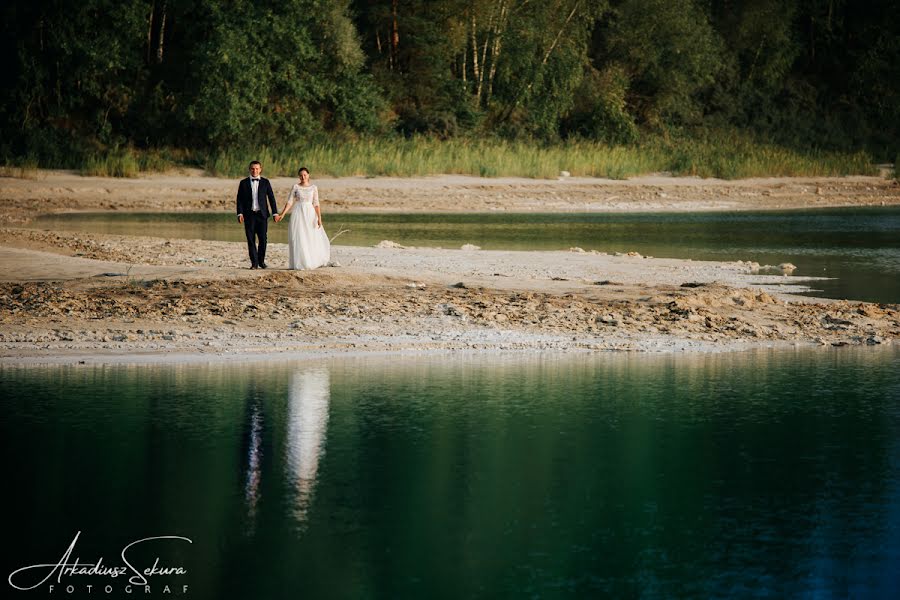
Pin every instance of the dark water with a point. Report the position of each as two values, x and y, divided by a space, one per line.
772 474
859 248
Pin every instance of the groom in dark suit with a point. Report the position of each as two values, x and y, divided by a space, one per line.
253 212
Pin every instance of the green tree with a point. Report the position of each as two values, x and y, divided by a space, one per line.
542 66
507 66
669 52
187 73
95 75
412 48
282 70
600 110
73 75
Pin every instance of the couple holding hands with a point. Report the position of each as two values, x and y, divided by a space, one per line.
308 245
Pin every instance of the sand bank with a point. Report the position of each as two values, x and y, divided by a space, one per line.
77 296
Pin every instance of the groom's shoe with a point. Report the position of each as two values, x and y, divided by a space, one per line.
263 266
252 267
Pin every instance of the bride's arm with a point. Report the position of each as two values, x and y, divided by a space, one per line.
317 207
290 203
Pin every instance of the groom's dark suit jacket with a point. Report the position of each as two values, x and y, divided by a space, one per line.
245 198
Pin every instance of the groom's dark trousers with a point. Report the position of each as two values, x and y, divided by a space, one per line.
256 222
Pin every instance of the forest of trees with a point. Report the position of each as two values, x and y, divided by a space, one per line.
94 74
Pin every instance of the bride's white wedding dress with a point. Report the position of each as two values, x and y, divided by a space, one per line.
308 245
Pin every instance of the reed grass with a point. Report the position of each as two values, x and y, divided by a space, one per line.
737 157
422 156
727 156
126 162
21 169
724 157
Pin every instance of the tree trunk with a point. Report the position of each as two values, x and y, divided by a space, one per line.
476 72
395 34
162 34
495 50
150 32
559 34
484 48
547 54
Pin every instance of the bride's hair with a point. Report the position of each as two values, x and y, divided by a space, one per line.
301 170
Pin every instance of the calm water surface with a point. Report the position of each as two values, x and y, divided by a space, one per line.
772 473
859 248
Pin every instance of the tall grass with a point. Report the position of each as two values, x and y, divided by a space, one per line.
423 156
26 168
738 157
724 155
125 162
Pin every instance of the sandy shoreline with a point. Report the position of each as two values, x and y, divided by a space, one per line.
70 297
57 191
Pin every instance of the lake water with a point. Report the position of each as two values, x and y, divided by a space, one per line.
766 473
859 248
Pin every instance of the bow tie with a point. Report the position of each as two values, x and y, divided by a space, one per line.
252 179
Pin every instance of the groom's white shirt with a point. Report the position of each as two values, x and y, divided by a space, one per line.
254 188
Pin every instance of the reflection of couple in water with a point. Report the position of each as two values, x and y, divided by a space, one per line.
307 422
308 244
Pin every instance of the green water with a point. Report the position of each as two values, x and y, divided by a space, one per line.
858 249
771 473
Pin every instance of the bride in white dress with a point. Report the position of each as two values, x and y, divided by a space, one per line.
308 245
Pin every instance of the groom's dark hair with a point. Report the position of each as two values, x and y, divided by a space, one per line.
254 162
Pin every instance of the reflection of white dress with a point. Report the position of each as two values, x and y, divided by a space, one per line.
307 422
308 245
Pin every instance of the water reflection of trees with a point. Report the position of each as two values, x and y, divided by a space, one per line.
625 471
